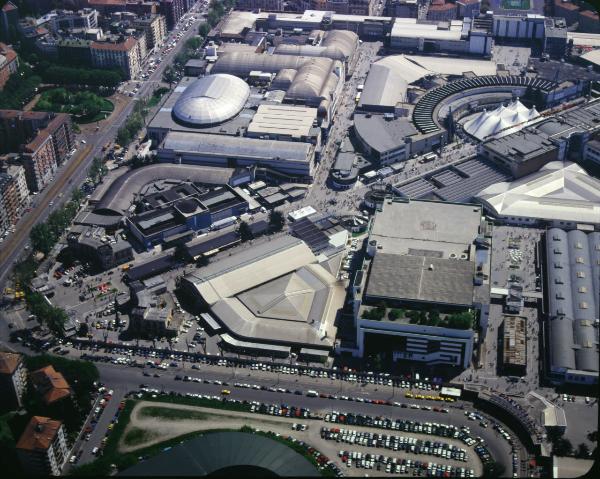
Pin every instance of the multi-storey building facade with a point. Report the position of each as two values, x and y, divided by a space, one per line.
441 11
9 19
126 55
14 195
9 64
173 10
468 8
268 5
39 160
402 8
42 448
155 29
68 20
13 379
43 139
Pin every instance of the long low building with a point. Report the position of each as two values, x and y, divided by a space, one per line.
572 281
275 295
560 194
284 157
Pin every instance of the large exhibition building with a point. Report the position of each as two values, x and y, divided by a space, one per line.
422 282
274 298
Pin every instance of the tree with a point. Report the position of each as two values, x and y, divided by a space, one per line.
202 261
204 29
583 451
42 238
83 330
245 232
593 436
169 76
180 253
562 447
276 220
395 314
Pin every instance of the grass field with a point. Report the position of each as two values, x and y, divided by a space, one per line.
516 4
171 414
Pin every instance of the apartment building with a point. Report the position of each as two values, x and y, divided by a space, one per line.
127 55
42 448
441 11
13 379
173 10
154 27
43 139
9 63
14 195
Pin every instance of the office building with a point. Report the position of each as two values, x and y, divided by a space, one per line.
9 64
13 379
94 244
572 272
468 36
42 448
418 260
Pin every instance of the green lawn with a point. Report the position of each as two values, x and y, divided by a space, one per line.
516 4
84 106
136 436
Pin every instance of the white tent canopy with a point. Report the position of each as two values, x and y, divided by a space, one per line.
501 121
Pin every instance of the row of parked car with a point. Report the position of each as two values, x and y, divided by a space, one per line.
396 443
393 465
435 429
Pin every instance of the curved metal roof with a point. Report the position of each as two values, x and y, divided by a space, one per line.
212 99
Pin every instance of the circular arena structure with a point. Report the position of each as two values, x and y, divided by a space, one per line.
211 100
233 454
425 113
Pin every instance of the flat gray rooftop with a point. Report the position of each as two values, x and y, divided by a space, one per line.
427 225
421 278
383 135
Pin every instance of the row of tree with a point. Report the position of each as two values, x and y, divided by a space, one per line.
63 75
135 122
45 235
19 89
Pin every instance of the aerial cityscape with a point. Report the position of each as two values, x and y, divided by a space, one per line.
257 238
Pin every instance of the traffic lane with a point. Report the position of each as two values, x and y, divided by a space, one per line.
130 380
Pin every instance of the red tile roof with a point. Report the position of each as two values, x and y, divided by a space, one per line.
39 434
9 362
566 5
8 52
123 46
8 7
590 14
442 8
51 384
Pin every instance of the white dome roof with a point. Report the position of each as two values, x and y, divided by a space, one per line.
212 99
